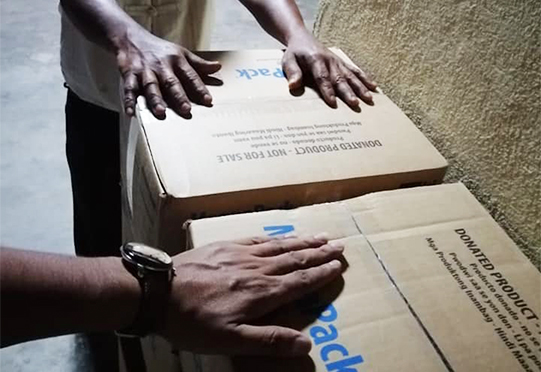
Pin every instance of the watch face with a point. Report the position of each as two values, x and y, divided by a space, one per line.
148 256
153 253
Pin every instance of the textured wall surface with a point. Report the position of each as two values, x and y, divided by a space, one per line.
468 73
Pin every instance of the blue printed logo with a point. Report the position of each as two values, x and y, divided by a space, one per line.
278 230
332 352
251 73
324 334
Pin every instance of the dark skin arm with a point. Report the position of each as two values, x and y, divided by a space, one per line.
169 75
165 73
218 292
306 57
46 295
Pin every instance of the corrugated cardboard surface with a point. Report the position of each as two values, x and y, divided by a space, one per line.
261 148
245 138
433 284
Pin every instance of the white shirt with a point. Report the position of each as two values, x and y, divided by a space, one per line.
91 71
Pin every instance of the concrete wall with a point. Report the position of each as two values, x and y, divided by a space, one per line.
468 73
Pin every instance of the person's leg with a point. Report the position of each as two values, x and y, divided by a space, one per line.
92 149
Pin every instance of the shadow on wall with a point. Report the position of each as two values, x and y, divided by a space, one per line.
469 75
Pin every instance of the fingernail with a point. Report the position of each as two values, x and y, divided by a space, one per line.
294 84
301 346
335 264
355 102
322 236
336 245
129 111
290 235
207 99
159 107
185 108
333 101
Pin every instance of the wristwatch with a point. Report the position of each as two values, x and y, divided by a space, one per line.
154 270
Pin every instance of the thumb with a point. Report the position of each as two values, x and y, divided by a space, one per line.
292 70
202 66
271 340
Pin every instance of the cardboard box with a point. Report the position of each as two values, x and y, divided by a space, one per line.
262 148
433 284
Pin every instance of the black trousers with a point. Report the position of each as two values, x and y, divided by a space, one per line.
93 153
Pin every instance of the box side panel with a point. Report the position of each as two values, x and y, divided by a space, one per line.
124 128
142 193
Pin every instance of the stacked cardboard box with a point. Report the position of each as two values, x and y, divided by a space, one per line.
433 284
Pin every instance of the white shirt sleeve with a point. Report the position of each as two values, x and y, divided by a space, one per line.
91 72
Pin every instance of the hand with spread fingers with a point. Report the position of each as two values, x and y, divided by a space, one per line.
222 289
166 74
307 59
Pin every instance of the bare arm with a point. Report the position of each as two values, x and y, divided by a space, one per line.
165 73
280 18
306 58
101 21
219 292
47 295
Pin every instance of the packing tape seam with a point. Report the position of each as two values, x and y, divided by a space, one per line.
410 308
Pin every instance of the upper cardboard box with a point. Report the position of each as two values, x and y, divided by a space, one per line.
260 147
433 284
259 136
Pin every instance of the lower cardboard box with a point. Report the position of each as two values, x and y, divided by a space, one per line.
432 284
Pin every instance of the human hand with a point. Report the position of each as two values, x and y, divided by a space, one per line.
162 72
306 57
222 289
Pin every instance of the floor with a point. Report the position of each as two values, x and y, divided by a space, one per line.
35 196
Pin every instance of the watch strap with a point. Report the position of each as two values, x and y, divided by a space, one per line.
155 288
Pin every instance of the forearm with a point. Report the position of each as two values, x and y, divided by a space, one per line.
280 18
47 295
101 21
